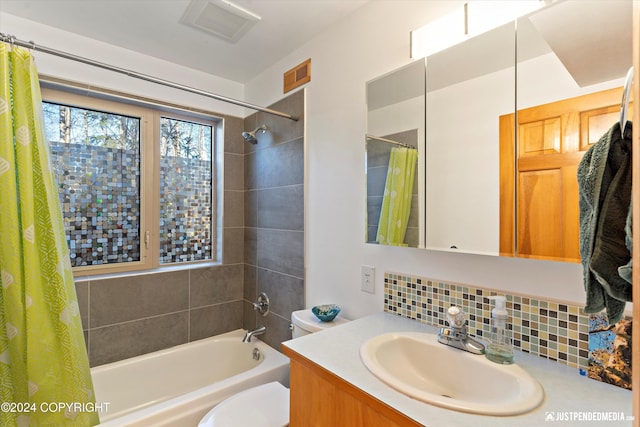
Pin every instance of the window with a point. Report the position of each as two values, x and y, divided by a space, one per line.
120 211
96 159
185 191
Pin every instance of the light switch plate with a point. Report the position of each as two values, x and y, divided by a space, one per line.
368 279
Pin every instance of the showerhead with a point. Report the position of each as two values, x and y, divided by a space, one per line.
251 136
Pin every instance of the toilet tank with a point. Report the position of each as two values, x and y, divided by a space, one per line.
304 322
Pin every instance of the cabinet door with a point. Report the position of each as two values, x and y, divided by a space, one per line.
321 399
551 140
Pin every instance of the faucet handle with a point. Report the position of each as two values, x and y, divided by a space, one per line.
455 317
262 305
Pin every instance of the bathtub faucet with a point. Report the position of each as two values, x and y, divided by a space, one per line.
262 305
261 330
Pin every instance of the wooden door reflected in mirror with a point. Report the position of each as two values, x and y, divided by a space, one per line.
570 70
552 138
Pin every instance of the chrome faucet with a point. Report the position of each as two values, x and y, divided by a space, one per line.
456 334
250 334
262 305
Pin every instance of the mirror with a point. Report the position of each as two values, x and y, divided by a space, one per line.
584 60
565 50
395 157
469 86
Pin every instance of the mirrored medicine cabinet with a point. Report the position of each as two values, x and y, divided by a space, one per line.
395 117
487 180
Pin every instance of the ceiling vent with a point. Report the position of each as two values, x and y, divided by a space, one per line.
220 18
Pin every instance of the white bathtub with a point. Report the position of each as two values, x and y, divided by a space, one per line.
178 386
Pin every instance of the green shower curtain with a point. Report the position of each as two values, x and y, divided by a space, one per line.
396 202
44 369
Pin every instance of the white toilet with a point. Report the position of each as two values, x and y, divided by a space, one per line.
266 405
304 322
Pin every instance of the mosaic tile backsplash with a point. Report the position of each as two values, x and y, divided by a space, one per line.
555 331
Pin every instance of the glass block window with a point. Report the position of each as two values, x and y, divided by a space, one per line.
96 159
186 191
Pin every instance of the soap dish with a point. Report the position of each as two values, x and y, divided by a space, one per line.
326 312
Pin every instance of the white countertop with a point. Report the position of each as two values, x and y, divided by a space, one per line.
567 393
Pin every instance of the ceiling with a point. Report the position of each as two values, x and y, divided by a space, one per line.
153 27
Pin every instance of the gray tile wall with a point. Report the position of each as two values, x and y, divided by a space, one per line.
274 219
135 314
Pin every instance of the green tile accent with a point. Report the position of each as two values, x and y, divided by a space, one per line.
543 315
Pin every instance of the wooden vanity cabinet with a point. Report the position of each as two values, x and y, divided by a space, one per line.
319 398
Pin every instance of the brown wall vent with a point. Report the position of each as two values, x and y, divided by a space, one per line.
297 76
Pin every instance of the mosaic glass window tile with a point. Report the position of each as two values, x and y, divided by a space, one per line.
96 159
186 191
534 324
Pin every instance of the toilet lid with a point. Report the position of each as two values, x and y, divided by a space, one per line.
266 405
308 321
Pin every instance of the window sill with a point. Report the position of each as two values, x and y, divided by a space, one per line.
164 269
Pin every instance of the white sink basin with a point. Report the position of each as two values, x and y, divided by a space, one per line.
417 365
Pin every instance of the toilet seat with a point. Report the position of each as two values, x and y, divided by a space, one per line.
266 405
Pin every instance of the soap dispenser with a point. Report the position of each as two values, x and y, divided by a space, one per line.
499 349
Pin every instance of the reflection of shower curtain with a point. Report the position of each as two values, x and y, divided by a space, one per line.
396 203
43 359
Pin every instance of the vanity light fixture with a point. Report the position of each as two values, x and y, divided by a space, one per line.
474 18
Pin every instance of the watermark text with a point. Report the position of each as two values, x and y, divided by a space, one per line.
51 407
586 416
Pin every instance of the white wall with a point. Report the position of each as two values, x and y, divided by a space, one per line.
371 42
557 85
82 46
463 168
399 117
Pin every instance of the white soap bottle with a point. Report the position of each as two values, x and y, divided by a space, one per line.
499 349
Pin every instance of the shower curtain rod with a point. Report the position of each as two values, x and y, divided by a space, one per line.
390 141
31 45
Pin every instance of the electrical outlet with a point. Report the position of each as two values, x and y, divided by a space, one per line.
368 279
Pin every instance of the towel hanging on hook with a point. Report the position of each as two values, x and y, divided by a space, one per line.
624 106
